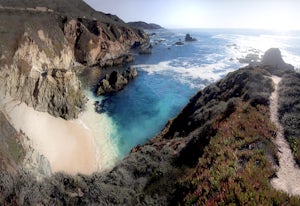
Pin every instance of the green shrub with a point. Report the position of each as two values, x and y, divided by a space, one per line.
289 111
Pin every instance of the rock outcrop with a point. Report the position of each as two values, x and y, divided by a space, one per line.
188 38
116 81
273 58
97 43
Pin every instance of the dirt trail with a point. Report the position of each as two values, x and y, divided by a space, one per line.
288 175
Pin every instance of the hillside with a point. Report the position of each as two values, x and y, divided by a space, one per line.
144 25
218 150
71 8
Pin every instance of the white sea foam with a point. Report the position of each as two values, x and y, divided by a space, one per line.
187 73
103 129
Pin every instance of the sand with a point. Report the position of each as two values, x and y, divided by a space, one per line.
288 174
70 146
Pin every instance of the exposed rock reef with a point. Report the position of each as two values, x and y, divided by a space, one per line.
116 81
38 57
144 25
218 150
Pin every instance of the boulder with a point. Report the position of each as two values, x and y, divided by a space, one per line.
146 49
130 73
116 81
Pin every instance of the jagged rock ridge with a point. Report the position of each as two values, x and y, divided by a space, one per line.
144 25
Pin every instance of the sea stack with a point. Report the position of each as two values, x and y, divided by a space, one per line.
189 38
273 58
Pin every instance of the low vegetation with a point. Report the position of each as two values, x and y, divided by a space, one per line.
289 111
236 168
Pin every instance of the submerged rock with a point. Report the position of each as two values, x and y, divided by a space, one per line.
179 43
116 81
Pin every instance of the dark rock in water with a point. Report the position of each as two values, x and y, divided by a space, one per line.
116 81
101 107
273 58
179 43
189 38
146 51
142 48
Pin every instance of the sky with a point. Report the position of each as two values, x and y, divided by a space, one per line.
259 14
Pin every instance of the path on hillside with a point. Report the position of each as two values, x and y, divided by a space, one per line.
288 174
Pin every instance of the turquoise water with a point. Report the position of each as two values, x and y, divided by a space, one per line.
172 74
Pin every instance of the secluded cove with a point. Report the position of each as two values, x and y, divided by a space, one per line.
75 146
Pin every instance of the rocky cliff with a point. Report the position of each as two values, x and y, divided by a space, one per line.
39 56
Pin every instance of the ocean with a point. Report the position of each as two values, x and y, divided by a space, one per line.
172 74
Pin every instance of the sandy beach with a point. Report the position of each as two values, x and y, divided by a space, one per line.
69 146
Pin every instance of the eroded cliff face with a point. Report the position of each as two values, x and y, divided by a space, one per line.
95 42
38 57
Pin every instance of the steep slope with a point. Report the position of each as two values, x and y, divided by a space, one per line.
39 56
11 150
